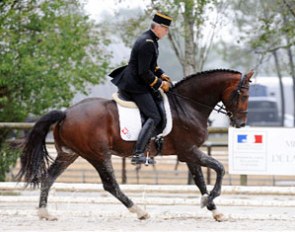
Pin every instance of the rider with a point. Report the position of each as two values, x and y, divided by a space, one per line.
141 80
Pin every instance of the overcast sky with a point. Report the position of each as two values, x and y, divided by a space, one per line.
97 8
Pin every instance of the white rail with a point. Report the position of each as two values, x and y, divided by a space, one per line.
188 189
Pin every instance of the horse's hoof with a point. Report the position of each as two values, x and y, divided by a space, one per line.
204 200
218 216
43 214
141 214
144 217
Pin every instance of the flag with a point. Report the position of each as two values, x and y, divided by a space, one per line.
258 138
246 138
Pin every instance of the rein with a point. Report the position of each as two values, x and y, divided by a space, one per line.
221 109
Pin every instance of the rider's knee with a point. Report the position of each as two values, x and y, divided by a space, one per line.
157 119
154 121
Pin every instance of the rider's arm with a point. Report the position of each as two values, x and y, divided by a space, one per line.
145 56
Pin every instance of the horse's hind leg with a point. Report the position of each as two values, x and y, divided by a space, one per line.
106 173
198 177
62 161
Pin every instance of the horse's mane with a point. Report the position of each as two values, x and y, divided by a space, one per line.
204 74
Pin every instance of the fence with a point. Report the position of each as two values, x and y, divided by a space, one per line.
167 170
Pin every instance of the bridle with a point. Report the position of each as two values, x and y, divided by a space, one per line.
220 108
236 96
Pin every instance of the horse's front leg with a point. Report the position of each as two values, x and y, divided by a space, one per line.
194 155
198 178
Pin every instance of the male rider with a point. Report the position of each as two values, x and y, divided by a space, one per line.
141 80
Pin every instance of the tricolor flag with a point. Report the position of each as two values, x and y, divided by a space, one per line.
246 138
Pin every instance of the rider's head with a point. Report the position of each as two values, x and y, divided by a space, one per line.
160 24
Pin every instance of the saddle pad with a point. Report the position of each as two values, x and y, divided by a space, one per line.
130 121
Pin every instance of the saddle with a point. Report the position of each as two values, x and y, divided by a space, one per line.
131 120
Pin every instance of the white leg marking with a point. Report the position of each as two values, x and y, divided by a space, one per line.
43 214
141 214
204 200
218 216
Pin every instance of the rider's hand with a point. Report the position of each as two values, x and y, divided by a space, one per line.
165 77
165 86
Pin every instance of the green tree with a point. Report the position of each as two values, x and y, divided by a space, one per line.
8 157
268 29
49 51
189 36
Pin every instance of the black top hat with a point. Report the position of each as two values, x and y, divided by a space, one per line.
162 19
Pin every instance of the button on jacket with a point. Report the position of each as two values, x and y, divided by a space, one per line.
142 71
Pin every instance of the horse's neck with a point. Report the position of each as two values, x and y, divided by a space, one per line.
198 97
205 91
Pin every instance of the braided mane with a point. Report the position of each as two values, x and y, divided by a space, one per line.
204 74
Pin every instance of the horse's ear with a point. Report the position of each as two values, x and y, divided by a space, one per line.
249 74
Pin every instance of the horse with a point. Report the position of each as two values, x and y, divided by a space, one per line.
90 129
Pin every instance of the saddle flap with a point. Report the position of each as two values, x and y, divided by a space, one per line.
130 118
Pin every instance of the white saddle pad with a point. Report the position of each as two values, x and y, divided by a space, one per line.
130 119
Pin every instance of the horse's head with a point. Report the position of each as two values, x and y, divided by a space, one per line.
235 99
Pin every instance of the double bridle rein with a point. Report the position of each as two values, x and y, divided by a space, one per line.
220 108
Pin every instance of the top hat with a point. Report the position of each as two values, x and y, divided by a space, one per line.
162 19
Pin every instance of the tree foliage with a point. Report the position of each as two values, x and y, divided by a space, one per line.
265 27
188 38
49 50
8 158
195 24
268 29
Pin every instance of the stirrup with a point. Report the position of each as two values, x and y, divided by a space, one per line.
142 159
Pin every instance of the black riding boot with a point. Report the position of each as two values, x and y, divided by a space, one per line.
143 139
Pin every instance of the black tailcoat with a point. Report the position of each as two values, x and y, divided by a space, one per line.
142 69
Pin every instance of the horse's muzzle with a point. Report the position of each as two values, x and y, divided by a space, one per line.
237 123
240 125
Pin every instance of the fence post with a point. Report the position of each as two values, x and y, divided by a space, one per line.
243 179
124 176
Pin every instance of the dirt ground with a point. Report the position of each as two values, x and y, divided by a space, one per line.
98 211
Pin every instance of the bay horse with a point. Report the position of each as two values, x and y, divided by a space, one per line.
90 129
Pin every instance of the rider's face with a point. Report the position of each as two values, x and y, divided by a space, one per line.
161 31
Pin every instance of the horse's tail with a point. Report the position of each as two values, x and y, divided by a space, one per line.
35 158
